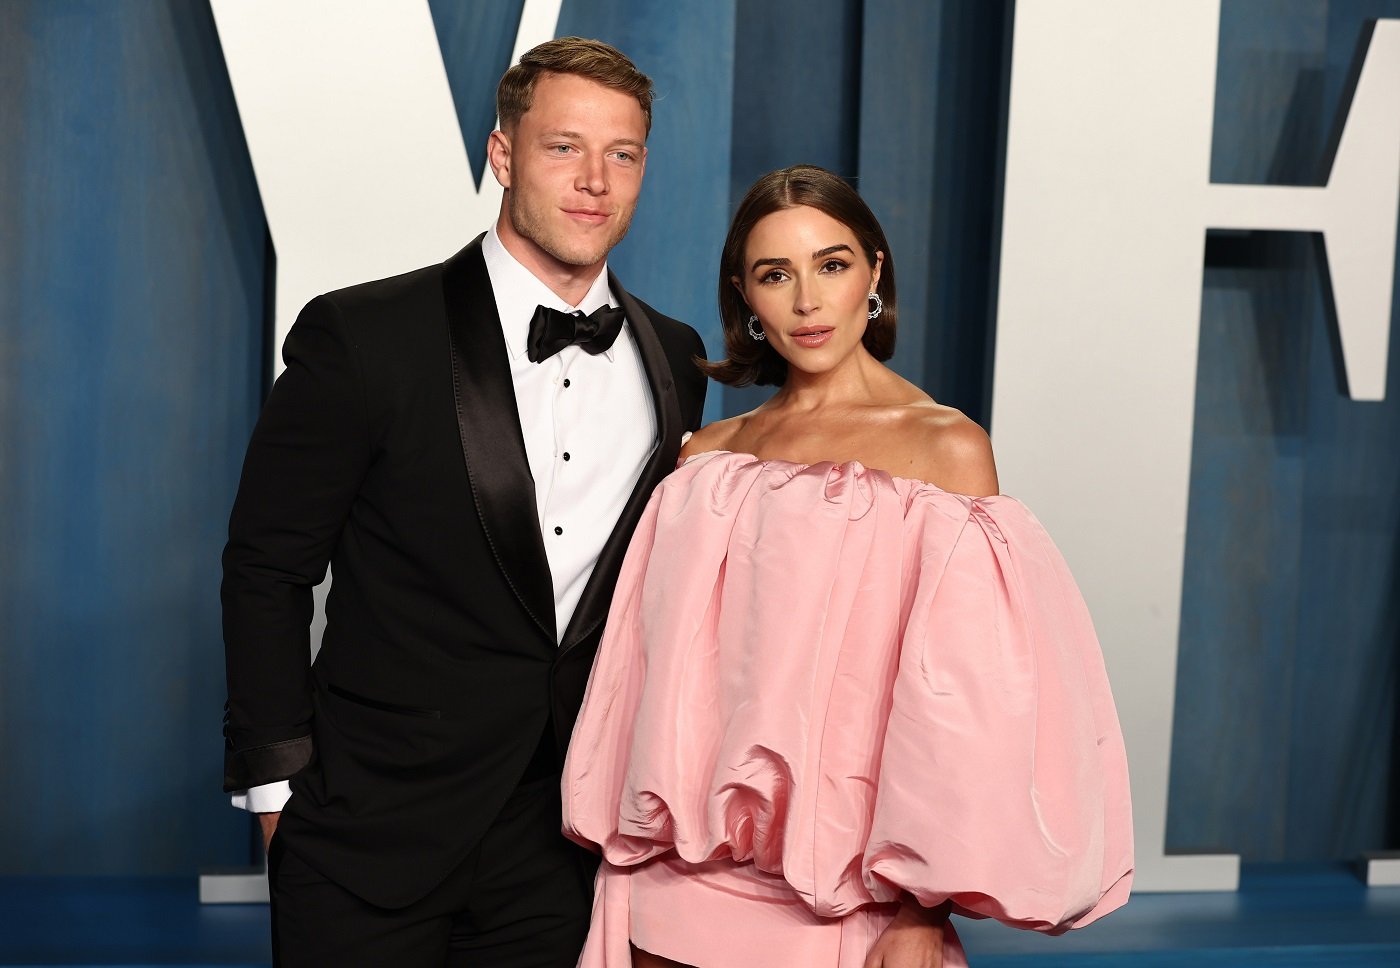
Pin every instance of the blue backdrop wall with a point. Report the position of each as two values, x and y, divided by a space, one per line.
132 254
134 278
1286 727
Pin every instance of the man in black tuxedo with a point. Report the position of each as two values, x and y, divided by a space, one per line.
469 446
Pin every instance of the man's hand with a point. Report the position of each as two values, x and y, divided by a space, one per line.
914 939
269 827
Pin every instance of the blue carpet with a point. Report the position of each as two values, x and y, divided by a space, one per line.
126 921
1283 917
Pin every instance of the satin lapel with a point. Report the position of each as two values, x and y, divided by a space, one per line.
597 594
492 443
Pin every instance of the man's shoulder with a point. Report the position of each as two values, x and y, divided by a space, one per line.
671 329
410 286
407 294
390 315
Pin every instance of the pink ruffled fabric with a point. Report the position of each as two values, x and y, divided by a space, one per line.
859 683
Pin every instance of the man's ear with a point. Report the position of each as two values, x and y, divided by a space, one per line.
498 156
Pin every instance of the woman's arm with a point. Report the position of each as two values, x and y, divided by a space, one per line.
914 939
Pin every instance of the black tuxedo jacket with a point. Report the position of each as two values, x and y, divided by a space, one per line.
391 449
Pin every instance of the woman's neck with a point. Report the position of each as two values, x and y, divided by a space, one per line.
859 379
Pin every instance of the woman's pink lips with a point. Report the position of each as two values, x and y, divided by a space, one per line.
813 339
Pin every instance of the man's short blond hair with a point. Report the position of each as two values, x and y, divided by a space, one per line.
592 59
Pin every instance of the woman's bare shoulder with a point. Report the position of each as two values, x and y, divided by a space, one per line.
949 449
713 436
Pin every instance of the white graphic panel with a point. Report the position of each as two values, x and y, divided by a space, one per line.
354 138
1355 213
1107 202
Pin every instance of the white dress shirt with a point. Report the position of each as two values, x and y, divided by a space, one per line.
589 426
588 422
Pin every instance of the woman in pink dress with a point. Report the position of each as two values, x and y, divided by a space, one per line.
843 692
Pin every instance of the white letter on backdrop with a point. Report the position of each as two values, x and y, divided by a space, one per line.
354 138
1107 202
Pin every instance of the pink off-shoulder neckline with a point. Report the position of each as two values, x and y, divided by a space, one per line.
856 465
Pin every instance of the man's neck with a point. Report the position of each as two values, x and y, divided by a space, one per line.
569 282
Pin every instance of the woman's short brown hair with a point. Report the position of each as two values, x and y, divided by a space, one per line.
592 59
748 360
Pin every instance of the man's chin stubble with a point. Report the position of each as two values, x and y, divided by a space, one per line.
526 227
592 256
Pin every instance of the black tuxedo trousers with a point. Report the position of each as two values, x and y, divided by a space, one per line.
390 450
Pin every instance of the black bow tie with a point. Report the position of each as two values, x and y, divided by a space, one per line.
552 330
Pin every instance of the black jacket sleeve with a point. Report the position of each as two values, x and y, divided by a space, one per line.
696 409
308 454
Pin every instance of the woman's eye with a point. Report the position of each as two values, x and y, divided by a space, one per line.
773 276
833 265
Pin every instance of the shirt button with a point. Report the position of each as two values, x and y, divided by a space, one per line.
566 383
558 530
566 455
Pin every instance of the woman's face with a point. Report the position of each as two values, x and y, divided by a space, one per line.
807 280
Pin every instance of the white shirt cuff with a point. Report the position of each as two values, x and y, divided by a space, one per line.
268 798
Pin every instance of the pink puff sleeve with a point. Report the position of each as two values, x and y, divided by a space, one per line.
1003 780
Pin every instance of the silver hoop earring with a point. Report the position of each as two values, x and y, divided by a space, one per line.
755 331
879 305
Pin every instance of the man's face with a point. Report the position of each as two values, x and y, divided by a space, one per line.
572 170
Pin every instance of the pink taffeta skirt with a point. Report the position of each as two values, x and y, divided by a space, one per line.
722 914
